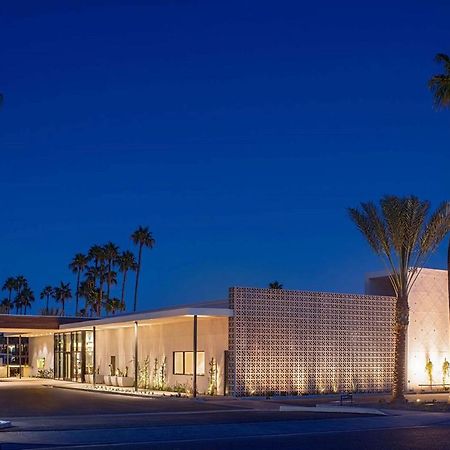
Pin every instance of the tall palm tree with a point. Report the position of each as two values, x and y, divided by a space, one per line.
96 254
20 283
440 86
111 252
86 289
9 285
62 293
402 232
126 262
46 293
77 266
275 285
92 275
25 298
142 237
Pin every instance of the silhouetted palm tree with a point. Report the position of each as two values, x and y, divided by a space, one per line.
142 237
6 305
86 291
78 264
275 285
126 262
96 254
403 233
111 252
440 84
25 298
112 305
93 274
20 283
9 285
46 293
62 293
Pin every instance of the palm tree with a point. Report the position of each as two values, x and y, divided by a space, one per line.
20 283
440 84
126 262
112 305
25 297
61 294
275 285
143 238
9 285
6 305
96 254
111 252
46 293
97 273
78 264
86 289
402 232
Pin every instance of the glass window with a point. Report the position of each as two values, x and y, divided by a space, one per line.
200 363
188 363
183 363
178 364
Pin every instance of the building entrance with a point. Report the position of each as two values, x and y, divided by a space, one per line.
73 355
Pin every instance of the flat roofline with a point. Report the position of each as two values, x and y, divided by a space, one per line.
149 315
385 273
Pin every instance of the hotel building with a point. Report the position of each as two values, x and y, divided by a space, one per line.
257 342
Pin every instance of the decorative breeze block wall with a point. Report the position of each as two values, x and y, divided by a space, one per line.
295 342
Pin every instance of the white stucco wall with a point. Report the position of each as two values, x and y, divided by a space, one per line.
159 340
429 331
40 347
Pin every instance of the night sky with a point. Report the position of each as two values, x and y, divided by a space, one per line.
238 131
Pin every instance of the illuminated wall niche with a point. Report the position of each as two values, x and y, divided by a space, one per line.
296 342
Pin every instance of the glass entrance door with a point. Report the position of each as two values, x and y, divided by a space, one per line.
70 356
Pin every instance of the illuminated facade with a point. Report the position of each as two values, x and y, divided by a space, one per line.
428 331
291 342
258 342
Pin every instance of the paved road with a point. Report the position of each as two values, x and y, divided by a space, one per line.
266 429
49 417
431 438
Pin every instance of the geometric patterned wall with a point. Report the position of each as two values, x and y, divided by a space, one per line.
292 342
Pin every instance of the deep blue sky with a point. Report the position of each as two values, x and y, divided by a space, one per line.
238 131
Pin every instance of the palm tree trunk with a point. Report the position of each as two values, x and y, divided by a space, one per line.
63 312
47 304
108 280
124 280
100 298
77 293
137 278
401 327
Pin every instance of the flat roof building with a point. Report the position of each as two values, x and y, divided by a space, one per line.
258 342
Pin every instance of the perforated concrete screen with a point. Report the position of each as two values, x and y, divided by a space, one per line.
309 342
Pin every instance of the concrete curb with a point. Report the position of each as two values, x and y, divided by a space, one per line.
334 409
124 393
